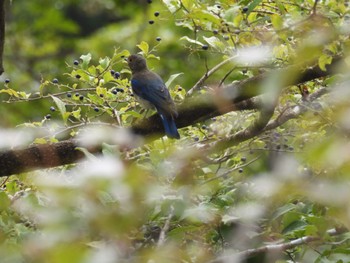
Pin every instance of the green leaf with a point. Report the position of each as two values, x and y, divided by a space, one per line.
61 107
215 42
283 210
280 7
76 114
4 200
172 5
277 21
10 92
295 226
95 99
104 62
86 60
324 60
191 40
144 47
172 78
204 16
252 5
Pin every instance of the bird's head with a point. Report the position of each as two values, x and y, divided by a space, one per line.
137 62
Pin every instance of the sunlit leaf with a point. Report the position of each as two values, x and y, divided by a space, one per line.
86 60
172 78
144 47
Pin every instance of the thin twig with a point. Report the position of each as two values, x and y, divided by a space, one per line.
207 75
231 170
165 228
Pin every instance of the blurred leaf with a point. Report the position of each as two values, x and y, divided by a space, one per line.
86 60
104 62
4 201
172 78
252 5
323 61
143 46
11 92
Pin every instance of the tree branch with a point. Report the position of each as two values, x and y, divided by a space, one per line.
240 256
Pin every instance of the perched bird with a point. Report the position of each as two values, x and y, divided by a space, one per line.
150 90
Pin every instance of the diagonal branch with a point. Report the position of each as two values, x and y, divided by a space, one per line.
240 256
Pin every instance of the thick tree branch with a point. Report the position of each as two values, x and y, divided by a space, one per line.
41 156
193 110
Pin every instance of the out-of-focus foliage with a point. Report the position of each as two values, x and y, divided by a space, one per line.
166 200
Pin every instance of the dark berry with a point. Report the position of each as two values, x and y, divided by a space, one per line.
69 95
76 62
96 109
151 22
101 95
204 127
81 97
78 76
158 39
243 159
291 148
226 38
116 75
218 6
77 94
240 170
244 71
205 47
179 89
7 80
245 9
55 81
52 108
115 91
120 90
237 31
112 71
48 116
215 32
196 139
156 13
149 1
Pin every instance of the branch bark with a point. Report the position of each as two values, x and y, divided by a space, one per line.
231 98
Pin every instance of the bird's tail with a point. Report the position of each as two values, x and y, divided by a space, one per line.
169 126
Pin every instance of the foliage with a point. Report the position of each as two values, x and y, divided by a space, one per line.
161 200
